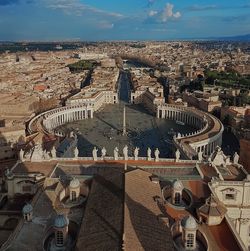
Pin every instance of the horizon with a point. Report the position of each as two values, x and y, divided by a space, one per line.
215 39
133 20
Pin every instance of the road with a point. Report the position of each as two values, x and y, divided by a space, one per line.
124 88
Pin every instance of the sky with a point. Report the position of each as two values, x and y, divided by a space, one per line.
91 20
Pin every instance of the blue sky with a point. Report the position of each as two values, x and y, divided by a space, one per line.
122 19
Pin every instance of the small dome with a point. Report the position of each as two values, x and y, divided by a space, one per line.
27 209
177 185
61 221
189 223
74 183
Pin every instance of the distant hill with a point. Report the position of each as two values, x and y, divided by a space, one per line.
243 38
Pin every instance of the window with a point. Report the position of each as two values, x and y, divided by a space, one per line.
73 196
177 198
190 240
230 196
26 188
59 238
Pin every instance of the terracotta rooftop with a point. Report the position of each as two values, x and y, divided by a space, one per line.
30 167
102 226
143 229
113 220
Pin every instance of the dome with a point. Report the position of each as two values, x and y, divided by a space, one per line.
189 223
27 209
177 185
61 221
74 183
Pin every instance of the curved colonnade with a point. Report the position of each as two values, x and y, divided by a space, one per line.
208 134
206 137
51 119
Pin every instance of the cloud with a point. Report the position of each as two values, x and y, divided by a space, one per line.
152 13
77 8
202 7
105 25
168 13
163 15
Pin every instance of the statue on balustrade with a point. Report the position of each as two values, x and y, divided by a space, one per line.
94 153
76 152
136 153
116 153
21 155
104 152
53 152
177 155
236 158
125 152
157 153
149 153
200 155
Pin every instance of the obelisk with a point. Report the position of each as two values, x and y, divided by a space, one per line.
124 131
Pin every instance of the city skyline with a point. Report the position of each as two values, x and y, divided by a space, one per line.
47 20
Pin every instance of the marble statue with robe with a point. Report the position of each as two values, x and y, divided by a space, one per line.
116 153
200 155
125 152
157 153
94 153
21 155
104 152
136 153
236 158
149 154
76 152
53 152
177 155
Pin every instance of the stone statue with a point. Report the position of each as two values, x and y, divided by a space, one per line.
149 153
236 158
125 152
178 135
116 152
21 155
46 155
177 155
200 155
104 152
76 152
53 152
94 153
157 153
136 153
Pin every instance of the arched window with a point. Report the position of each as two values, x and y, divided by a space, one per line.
73 196
190 240
59 238
177 198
